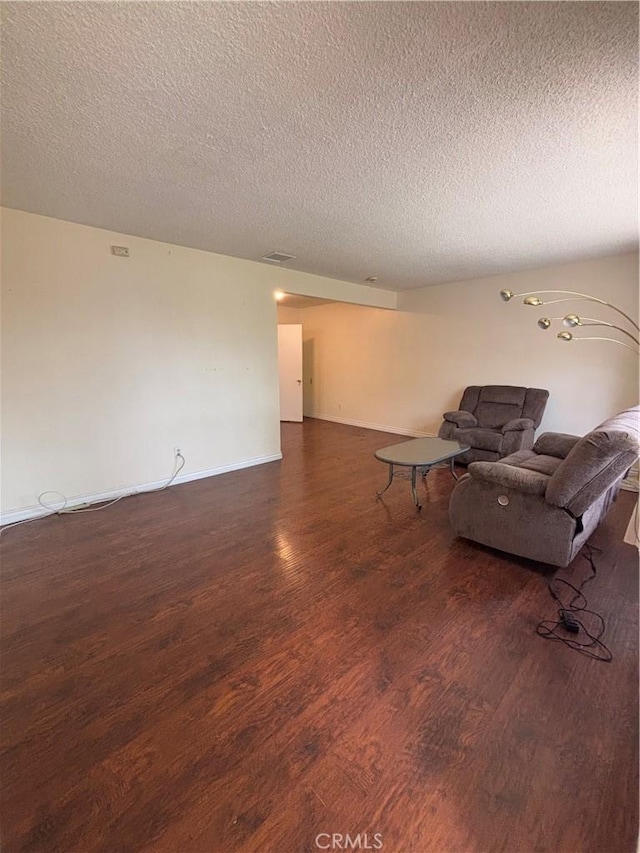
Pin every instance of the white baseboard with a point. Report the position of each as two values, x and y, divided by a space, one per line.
378 427
631 536
25 513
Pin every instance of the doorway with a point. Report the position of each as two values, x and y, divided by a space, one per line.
290 371
294 354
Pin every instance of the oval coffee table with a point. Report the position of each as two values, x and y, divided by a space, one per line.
421 453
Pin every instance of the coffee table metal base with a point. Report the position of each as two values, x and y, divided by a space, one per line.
424 470
420 454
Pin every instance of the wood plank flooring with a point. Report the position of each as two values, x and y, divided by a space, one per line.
246 662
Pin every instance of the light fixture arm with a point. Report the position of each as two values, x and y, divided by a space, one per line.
569 295
563 337
573 321
593 322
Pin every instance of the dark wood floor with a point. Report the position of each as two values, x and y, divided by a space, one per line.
244 662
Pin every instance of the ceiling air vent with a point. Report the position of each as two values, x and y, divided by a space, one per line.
277 257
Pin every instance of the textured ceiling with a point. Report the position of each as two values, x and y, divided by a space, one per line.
418 142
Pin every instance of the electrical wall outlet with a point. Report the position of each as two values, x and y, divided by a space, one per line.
120 251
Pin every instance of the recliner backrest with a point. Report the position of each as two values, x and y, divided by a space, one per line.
498 404
494 405
595 463
535 404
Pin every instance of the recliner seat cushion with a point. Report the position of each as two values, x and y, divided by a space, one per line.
482 439
518 457
542 464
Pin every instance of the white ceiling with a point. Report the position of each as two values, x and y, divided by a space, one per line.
418 142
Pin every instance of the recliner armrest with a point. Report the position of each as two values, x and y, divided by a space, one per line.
510 476
558 444
518 424
463 420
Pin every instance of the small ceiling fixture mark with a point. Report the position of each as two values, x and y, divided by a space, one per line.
371 279
278 257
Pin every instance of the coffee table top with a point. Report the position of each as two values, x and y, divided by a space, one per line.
420 451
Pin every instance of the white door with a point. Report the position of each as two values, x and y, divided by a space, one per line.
290 367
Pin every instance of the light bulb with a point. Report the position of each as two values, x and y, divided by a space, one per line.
565 336
532 300
544 322
506 295
571 320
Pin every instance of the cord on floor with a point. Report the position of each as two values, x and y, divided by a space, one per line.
569 612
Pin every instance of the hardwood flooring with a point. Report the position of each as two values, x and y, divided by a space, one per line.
248 661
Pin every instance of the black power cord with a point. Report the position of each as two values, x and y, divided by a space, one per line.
568 622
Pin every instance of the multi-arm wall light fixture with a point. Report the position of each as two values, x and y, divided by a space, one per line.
573 321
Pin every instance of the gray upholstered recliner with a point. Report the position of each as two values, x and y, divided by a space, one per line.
495 420
546 502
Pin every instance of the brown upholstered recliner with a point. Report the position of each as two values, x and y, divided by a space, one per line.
495 420
545 503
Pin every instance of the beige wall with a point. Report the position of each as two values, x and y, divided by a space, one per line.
401 370
109 363
288 316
